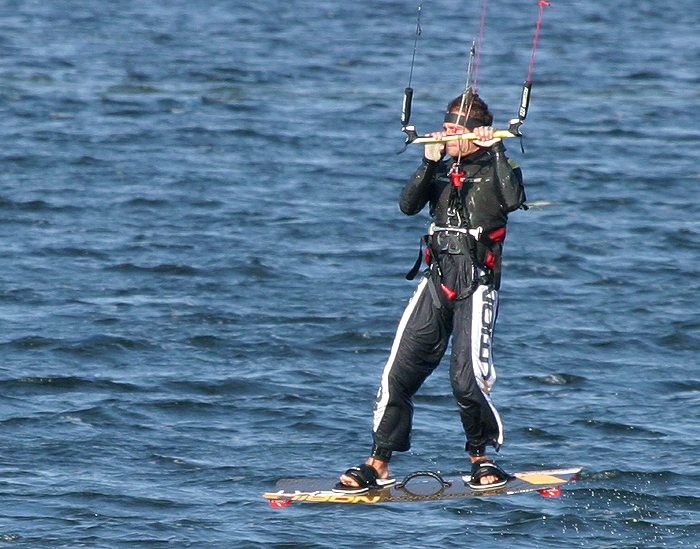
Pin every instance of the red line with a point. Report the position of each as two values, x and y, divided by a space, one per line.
536 39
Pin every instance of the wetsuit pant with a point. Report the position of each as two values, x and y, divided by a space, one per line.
420 342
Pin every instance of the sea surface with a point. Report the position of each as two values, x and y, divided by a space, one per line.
202 267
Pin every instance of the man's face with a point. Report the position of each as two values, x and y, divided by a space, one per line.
458 148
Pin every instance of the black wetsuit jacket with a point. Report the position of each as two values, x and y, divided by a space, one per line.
493 187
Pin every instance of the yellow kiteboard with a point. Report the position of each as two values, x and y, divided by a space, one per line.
419 486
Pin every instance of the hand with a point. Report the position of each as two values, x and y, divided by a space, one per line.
434 151
485 137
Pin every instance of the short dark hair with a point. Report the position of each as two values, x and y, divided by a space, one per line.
474 105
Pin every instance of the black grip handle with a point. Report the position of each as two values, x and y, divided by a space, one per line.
406 109
525 100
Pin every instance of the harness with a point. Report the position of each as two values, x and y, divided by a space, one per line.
453 241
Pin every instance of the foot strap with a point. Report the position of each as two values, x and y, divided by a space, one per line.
487 468
364 475
367 479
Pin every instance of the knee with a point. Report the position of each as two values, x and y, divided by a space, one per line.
465 390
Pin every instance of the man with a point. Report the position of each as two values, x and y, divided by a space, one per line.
470 193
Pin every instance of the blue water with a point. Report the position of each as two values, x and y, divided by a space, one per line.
202 265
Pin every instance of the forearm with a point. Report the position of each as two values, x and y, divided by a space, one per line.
509 177
416 193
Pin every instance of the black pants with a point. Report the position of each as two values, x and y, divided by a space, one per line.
420 343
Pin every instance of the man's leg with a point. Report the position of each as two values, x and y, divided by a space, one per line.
419 344
472 372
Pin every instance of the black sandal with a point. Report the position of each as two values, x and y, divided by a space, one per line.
486 468
367 479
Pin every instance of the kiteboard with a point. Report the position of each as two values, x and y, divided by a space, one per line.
419 486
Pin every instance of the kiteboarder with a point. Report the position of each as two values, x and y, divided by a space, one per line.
470 187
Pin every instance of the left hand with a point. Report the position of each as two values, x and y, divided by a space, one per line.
485 137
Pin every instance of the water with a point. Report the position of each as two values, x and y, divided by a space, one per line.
202 268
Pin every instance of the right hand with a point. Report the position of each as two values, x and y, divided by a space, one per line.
434 151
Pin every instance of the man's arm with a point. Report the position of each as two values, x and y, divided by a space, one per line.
416 193
510 179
